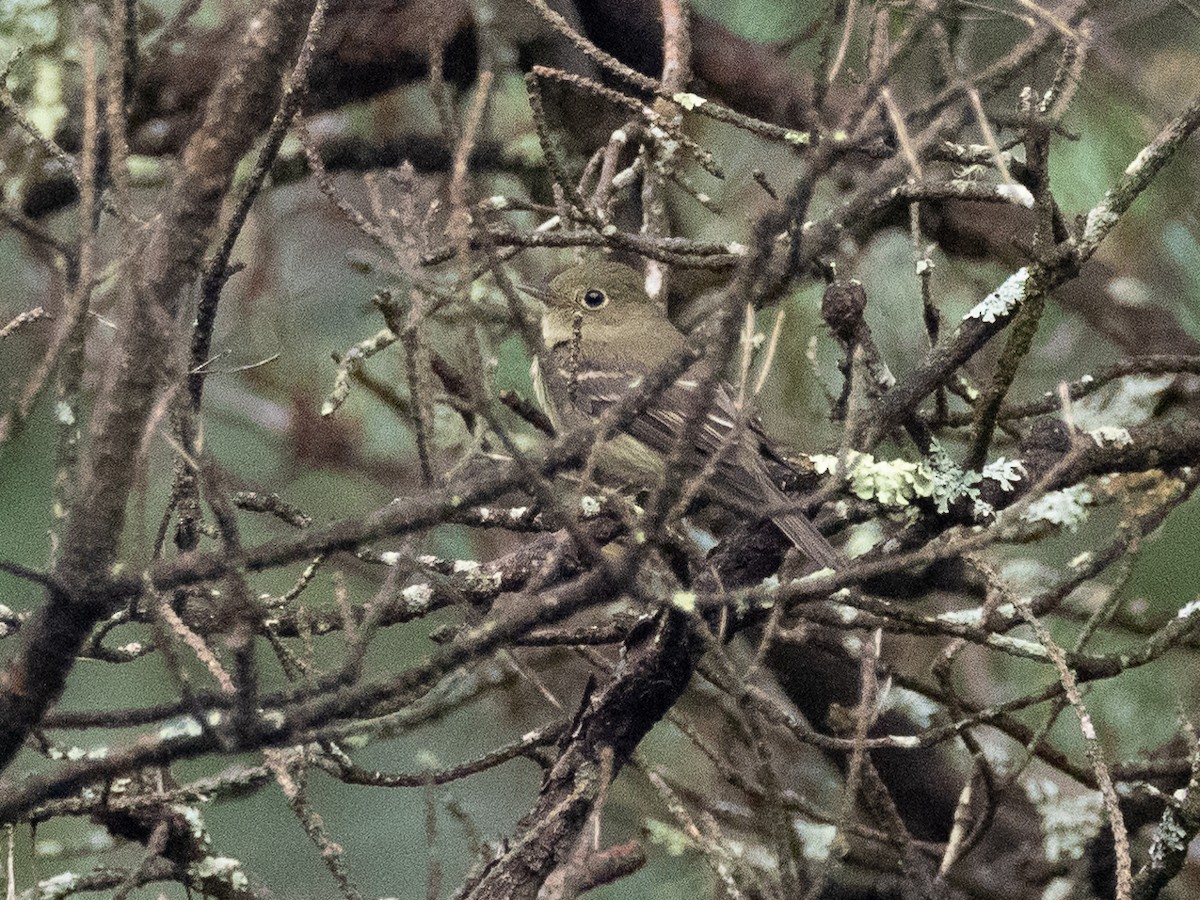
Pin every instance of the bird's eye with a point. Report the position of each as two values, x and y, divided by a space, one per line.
594 298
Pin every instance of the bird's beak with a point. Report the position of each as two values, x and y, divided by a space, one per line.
538 293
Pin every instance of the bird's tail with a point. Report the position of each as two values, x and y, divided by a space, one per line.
803 533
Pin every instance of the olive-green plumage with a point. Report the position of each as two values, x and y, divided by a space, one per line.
602 335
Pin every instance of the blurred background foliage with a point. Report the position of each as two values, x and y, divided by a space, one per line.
305 296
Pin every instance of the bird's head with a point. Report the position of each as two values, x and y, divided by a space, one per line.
601 294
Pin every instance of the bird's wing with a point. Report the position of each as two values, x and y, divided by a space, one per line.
739 478
596 385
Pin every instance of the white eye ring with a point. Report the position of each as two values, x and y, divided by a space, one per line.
593 298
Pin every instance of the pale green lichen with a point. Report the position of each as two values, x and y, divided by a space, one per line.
484 583
64 413
897 483
1140 160
684 601
951 482
1169 838
1015 193
195 821
852 645
74 754
222 868
812 578
417 595
62 885
622 179
1111 434
848 614
670 838
1006 472
817 839
972 617
1083 559
1018 646
481 292
1066 508
893 483
798 138
1001 302
1188 609
273 719
185 727
862 537
688 101
590 506
1100 220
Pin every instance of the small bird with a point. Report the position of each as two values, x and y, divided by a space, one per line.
603 334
